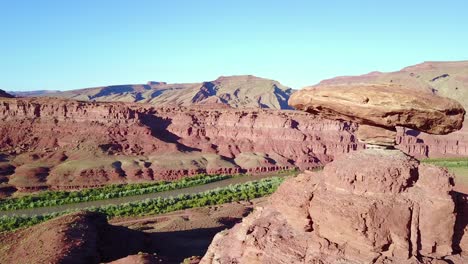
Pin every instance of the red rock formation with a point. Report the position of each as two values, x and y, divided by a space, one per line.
88 144
382 105
435 146
82 237
371 206
100 143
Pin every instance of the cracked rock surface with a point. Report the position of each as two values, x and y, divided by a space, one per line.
373 206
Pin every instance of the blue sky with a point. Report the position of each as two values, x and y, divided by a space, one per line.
75 44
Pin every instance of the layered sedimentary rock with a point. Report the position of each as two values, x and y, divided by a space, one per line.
371 206
59 143
380 108
447 79
72 144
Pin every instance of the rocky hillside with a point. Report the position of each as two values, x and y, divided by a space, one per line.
377 205
83 237
371 206
235 91
66 144
61 143
5 94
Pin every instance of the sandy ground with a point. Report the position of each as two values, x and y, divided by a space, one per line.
182 234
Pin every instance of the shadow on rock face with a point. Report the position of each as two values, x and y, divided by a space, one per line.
159 130
461 225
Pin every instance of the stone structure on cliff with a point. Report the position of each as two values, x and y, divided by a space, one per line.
380 108
377 205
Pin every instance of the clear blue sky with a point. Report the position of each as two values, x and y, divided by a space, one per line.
75 44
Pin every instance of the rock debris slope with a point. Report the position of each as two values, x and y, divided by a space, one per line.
377 205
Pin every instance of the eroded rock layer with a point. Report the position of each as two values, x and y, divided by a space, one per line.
71 144
371 206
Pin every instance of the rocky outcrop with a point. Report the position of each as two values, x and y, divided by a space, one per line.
424 145
83 237
423 77
67 144
382 106
372 206
376 205
142 258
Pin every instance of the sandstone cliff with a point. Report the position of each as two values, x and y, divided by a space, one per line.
376 206
69 143
371 206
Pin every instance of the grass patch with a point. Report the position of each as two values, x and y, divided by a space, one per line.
448 162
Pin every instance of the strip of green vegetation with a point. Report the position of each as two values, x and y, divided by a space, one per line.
54 198
448 162
238 192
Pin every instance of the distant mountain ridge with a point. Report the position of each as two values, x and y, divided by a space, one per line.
449 79
5 94
244 91
32 93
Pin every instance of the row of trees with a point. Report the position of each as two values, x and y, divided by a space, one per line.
53 198
238 192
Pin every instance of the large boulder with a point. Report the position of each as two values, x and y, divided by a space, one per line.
381 108
373 206
377 205
384 105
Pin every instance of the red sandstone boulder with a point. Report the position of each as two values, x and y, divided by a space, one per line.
384 105
373 206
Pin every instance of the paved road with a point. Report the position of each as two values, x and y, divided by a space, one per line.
136 198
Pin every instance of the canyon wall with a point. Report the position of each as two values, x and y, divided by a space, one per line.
61 143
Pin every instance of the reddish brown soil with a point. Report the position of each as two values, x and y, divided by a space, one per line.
87 237
77 238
